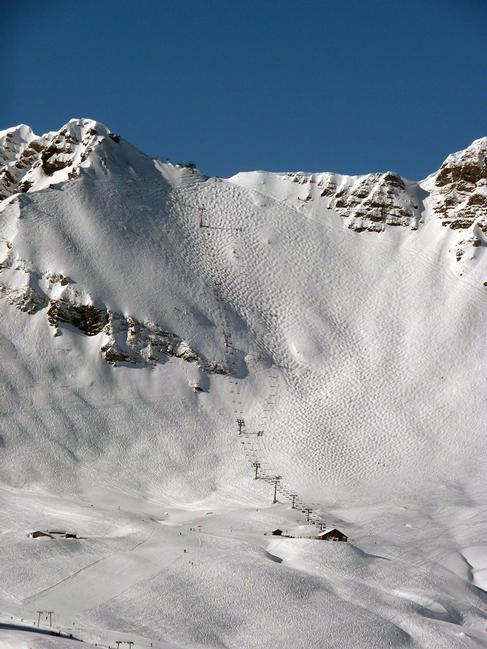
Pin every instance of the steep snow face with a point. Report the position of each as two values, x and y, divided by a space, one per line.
88 146
267 275
147 308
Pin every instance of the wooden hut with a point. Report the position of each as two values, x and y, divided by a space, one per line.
37 533
332 535
276 532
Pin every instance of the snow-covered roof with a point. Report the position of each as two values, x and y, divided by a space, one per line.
331 529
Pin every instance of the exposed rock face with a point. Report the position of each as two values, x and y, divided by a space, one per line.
25 299
129 341
85 317
23 293
124 339
369 202
13 142
459 193
467 244
27 160
375 201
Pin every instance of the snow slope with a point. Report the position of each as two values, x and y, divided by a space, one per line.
333 313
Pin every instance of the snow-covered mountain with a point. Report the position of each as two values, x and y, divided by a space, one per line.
147 307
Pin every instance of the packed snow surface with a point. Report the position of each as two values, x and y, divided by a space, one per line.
146 308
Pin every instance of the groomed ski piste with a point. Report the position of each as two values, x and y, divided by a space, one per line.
145 309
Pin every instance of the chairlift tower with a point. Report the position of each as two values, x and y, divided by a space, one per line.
275 482
256 466
46 613
202 223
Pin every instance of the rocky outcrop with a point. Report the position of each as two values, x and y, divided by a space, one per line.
128 340
124 339
26 299
467 244
24 293
13 142
87 318
28 162
459 192
370 202
376 201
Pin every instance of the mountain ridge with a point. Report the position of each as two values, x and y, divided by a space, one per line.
91 252
368 202
175 349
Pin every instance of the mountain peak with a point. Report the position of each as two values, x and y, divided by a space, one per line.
31 163
469 164
13 141
460 187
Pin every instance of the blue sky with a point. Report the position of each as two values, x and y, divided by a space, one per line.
349 86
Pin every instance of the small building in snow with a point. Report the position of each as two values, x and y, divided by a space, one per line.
331 535
37 533
276 532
